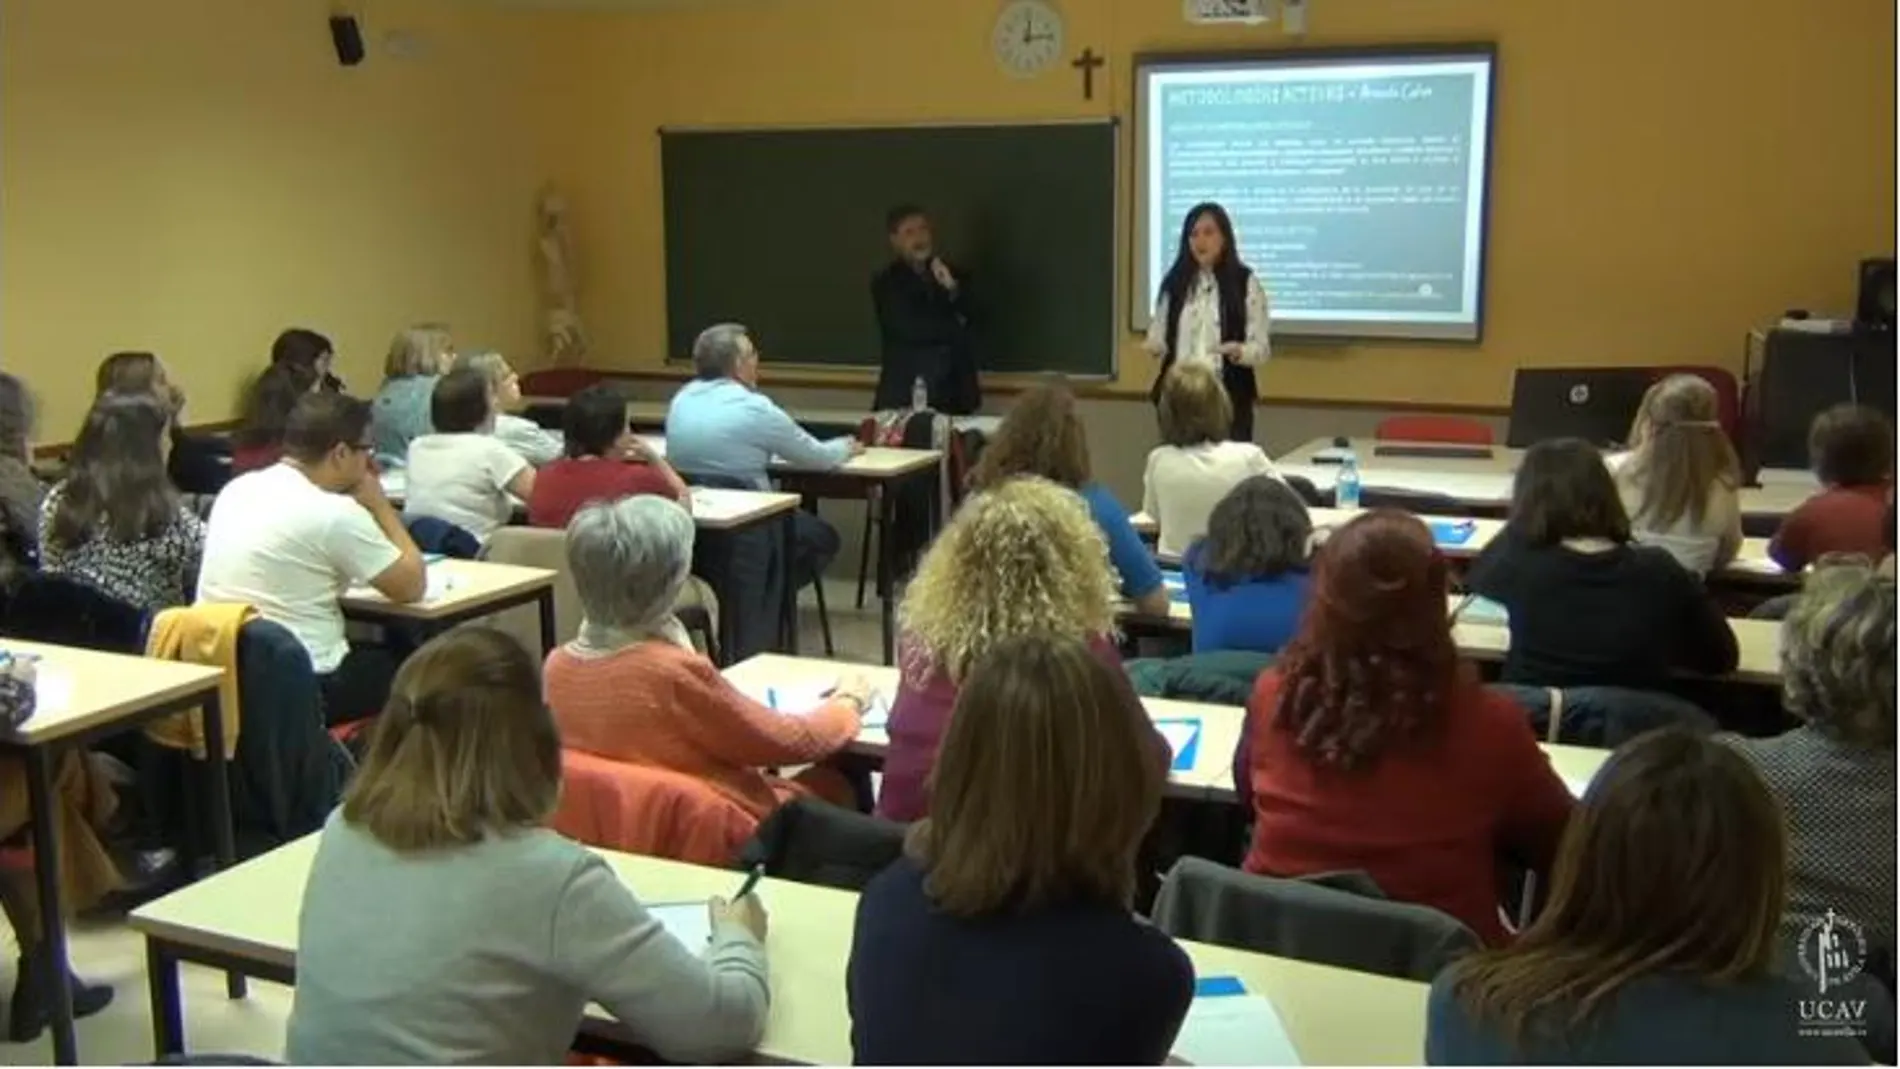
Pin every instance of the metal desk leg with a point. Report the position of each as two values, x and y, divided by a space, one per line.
168 1008
886 571
788 592
218 786
39 792
544 601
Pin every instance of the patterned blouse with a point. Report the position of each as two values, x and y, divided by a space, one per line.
152 573
1197 336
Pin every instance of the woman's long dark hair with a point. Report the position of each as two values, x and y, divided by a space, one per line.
268 403
305 348
1230 274
116 486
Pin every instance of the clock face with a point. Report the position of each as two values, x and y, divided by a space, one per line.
1028 37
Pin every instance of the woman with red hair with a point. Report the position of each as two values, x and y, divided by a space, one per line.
1371 747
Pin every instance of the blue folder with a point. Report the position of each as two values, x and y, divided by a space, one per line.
1452 532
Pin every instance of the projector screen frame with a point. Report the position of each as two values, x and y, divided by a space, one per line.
1141 305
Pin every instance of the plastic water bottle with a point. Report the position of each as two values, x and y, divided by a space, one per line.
919 395
1346 490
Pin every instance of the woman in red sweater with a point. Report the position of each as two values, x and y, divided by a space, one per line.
1371 747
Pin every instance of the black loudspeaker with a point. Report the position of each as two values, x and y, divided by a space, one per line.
347 36
1875 307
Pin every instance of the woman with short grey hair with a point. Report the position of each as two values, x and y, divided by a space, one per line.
526 437
1834 775
631 687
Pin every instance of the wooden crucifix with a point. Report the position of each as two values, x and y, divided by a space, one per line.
1086 63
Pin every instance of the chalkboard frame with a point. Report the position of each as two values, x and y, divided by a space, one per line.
1115 238
1141 311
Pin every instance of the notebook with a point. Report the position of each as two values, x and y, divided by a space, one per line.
801 699
1227 1026
1184 739
1452 532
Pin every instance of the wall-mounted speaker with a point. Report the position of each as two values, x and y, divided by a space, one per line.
1875 306
347 36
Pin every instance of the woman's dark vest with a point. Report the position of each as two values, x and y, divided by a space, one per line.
1238 378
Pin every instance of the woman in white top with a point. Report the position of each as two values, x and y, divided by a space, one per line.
1212 310
536 445
463 474
1680 482
1194 467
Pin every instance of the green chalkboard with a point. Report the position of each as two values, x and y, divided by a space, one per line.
783 229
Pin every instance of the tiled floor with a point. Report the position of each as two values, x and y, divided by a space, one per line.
105 951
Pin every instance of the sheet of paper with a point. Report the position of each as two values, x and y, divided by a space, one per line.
1577 786
1484 611
52 689
1234 1030
687 921
437 584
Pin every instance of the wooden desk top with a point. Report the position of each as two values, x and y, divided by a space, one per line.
878 462
455 586
1333 1016
1751 564
1486 482
723 510
653 414
80 689
1220 724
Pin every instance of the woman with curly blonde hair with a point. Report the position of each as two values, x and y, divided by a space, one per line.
1023 557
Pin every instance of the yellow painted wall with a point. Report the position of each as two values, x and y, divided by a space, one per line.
190 177
1667 173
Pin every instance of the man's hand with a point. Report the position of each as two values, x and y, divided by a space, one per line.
637 452
368 492
941 272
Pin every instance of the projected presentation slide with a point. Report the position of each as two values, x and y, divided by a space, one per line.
1356 184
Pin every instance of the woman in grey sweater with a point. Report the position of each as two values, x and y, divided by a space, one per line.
443 924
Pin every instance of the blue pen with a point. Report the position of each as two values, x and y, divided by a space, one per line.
771 698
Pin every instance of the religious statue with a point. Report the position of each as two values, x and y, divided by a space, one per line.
566 335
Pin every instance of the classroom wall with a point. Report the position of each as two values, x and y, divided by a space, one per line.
192 177
1665 175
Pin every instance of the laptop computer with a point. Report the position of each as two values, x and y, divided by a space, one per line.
1596 404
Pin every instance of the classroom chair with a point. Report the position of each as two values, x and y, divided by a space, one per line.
1450 430
1337 919
1604 717
816 842
654 811
1413 501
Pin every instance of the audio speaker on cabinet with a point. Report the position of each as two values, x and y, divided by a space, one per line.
347 36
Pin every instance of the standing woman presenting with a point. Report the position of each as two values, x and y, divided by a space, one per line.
1213 310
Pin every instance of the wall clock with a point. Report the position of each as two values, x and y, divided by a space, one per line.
1027 39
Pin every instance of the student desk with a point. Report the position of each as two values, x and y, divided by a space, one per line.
1758 641
462 590
1220 724
245 919
651 415
1485 484
885 470
83 695
1752 564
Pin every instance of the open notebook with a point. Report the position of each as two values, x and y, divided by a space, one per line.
801 699
1227 1026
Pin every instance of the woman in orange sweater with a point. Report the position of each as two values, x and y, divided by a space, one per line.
632 688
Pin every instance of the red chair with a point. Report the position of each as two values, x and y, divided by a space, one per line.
652 811
1728 395
559 381
1452 430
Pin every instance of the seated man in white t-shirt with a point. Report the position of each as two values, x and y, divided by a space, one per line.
462 474
290 538
1195 466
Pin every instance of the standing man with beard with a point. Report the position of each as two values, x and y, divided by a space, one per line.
923 319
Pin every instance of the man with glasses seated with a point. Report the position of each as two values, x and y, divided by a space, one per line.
291 538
